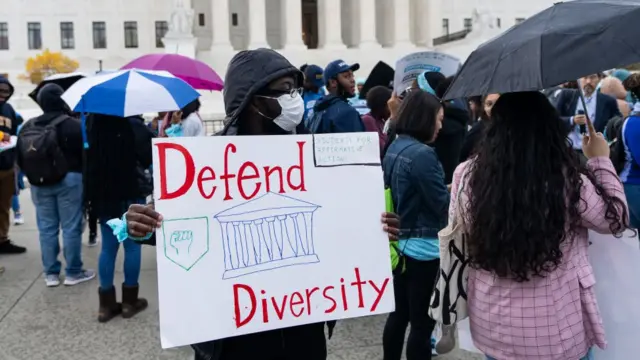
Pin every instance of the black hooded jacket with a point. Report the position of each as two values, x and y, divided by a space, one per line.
69 131
448 144
8 124
248 73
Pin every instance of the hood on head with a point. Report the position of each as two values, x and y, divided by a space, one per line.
50 99
4 80
250 71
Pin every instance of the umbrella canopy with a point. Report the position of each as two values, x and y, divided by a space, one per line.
64 80
564 42
128 93
194 72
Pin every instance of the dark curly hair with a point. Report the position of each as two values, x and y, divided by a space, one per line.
525 191
632 84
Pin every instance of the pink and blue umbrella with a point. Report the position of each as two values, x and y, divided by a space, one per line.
194 72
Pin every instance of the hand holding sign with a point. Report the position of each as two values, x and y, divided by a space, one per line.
594 143
142 219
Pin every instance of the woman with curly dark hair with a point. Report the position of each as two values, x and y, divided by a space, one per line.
528 204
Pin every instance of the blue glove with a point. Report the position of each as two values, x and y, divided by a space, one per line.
121 232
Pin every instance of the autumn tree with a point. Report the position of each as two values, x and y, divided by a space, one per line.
46 64
635 67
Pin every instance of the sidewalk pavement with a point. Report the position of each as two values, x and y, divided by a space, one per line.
40 323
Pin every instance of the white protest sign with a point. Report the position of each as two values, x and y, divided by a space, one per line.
616 265
409 67
263 232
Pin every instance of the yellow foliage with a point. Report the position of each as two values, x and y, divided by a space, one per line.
46 64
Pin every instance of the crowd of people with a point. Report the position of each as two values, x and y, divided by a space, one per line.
527 171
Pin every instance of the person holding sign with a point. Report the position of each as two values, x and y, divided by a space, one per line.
527 204
262 97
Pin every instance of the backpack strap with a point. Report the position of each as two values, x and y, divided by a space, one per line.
58 120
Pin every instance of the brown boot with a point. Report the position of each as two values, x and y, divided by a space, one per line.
109 308
131 303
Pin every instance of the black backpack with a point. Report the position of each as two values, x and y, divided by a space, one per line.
613 134
43 161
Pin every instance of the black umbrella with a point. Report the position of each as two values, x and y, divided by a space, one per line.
64 80
564 42
381 75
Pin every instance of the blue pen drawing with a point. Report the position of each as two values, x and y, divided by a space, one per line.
266 233
186 240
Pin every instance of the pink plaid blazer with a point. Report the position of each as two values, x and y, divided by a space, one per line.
550 318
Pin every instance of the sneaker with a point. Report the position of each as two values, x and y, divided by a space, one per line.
434 353
85 275
52 280
93 240
7 247
18 219
448 340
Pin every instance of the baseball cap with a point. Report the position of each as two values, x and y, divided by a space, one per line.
336 67
315 74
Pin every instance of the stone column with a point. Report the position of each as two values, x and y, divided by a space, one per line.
330 25
292 25
402 23
368 39
220 40
257 24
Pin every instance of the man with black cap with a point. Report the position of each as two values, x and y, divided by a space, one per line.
333 113
8 127
262 97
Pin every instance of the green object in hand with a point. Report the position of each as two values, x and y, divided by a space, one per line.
393 245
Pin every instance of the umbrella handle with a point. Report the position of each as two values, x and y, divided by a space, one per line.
584 107
83 124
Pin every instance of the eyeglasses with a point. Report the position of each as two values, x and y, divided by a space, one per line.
272 93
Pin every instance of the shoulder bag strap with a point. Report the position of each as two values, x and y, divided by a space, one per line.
458 213
387 181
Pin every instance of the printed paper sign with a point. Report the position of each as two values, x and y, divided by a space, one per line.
267 232
6 145
409 67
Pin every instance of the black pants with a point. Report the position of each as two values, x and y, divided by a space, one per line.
93 222
413 291
305 342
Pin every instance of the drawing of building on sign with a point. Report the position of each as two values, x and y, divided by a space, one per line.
269 232
186 240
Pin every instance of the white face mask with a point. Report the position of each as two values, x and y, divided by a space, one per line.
292 112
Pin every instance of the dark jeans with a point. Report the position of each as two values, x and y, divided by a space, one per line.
633 199
413 291
305 342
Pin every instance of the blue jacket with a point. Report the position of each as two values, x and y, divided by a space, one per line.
334 115
418 190
630 135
